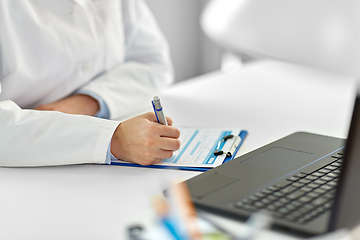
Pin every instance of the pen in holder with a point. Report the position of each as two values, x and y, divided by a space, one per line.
232 149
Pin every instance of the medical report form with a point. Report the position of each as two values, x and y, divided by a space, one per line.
198 147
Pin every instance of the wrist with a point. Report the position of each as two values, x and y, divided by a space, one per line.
115 142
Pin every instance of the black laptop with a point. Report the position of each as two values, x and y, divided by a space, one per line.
309 183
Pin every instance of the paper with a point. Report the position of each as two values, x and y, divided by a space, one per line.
198 146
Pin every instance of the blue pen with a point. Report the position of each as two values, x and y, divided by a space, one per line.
159 112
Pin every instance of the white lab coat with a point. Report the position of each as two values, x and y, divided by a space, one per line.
51 48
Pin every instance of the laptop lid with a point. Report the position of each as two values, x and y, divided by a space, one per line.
346 209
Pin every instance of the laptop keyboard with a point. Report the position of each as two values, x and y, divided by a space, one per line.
300 198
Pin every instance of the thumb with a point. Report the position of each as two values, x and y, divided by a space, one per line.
152 118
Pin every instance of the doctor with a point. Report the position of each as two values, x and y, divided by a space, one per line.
63 60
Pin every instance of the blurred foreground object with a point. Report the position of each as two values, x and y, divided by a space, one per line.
316 33
177 215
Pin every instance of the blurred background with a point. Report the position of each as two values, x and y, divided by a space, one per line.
192 52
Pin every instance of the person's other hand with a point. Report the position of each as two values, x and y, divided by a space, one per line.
76 104
144 141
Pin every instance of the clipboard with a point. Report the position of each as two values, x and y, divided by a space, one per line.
217 146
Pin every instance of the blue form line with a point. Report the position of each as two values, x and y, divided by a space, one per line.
197 145
185 147
211 153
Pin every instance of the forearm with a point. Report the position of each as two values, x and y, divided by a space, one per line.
76 104
39 138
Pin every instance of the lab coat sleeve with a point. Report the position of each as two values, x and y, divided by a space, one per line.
146 68
41 138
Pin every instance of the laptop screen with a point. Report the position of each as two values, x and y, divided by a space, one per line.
346 208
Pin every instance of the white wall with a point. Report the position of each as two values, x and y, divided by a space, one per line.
192 53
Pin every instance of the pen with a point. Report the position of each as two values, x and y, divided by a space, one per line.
159 113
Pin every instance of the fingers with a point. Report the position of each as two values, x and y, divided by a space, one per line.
163 130
169 121
169 132
142 140
157 160
163 154
169 144
162 148
152 118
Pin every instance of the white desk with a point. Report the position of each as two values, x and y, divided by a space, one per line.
268 99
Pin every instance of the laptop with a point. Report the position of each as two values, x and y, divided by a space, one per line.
309 183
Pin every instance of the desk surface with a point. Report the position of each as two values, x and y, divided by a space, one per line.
269 99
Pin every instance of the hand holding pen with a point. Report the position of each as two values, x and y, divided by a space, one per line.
144 141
